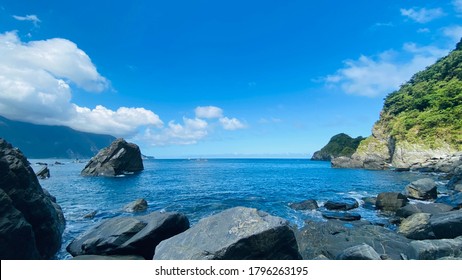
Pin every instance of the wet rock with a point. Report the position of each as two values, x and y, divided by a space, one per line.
390 201
117 159
138 205
309 204
417 227
32 223
344 204
436 249
447 225
90 215
129 235
238 233
359 252
423 189
369 202
430 208
454 200
342 216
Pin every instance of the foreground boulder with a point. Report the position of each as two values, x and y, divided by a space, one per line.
117 159
129 235
436 249
332 238
235 234
423 189
417 227
31 223
390 201
447 225
344 204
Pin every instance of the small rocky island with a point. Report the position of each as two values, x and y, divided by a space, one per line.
118 159
340 145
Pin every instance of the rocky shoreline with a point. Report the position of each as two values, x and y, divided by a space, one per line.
424 222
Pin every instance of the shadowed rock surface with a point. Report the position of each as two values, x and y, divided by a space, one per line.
117 159
430 208
309 204
31 223
129 235
390 201
235 234
423 189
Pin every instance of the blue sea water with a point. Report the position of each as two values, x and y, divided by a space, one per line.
200 188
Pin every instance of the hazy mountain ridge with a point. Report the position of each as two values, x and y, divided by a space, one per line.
43 141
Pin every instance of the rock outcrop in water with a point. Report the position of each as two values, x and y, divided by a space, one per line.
31 222
419 126
117 159
235 234
129 235
339 145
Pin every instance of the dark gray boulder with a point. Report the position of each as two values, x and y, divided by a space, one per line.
436 249
342 216
454 200
235 234
138 205
31 223
331 238
344 204
423 189
309 204
455 183
417 227
430 208
447 225
129 235
43 173
369 202
117 159
359 252
390 201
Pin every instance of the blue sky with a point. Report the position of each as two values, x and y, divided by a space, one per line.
216 78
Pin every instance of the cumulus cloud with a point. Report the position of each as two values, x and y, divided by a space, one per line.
379 75
422 15
36 80
32 18
231 123
188 133
208 112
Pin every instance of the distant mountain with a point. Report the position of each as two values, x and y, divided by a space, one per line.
339 145
42 141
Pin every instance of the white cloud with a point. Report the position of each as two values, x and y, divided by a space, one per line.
377 76
422 15
32 18
208 112
457 6
454 32
188 133
231 124
423 30
36 81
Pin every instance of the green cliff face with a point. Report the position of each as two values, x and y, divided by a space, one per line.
339 145
423 119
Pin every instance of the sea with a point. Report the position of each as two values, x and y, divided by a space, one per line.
203 187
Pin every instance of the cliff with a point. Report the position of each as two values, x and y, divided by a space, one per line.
419 122
339 145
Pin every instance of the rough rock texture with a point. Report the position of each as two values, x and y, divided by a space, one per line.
309 204
117 159
390 201
430 208
359 252
331 238
43 173
423 189
107 258
138 205
447 225
341 204
436 249
238 233
417 227
31 223
129 235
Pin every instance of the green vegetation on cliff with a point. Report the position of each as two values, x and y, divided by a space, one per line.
428 109
339 145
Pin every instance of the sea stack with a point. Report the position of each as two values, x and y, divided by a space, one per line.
117 159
